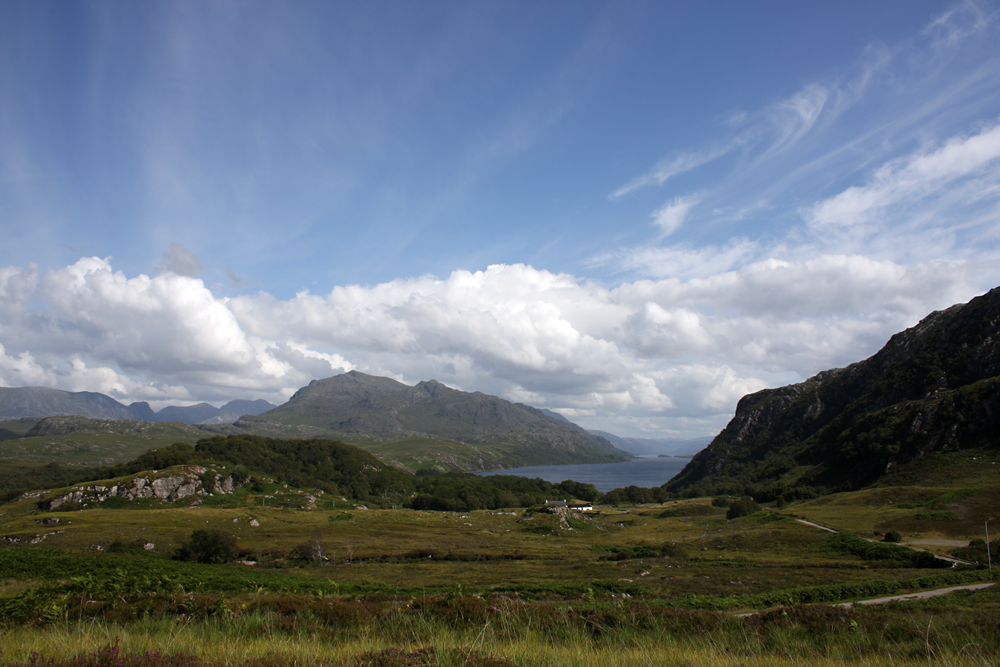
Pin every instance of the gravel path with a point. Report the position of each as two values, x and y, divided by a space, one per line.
922 595
936 542
928 542
816 525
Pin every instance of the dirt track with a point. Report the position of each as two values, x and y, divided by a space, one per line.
922 595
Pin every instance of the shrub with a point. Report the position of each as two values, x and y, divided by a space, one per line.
127 547
933 515
240 474
209 546
893 536
720 501
673 550
977 551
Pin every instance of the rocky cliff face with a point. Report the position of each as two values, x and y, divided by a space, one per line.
193 481
934 386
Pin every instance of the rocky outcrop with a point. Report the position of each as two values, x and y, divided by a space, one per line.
169 488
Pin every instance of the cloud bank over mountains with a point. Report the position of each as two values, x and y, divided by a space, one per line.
665 356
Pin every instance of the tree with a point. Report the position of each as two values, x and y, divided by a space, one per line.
311 550
580 490
742 507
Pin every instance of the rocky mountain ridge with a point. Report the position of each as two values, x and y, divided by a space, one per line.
931 387
355 405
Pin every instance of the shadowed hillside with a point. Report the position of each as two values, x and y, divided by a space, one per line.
932 387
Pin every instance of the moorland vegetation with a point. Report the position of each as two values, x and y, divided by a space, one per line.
333 583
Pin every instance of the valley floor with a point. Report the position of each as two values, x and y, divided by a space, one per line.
658 585
322 581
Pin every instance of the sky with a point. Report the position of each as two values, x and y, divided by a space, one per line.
633 213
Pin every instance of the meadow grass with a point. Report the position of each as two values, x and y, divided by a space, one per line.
642 585
907 635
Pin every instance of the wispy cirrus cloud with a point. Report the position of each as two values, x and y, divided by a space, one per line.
675 165
891 158
910 181
672 215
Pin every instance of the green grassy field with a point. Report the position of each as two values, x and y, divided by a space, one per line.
657 585
98 449
946 497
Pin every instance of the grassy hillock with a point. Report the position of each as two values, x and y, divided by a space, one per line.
16 428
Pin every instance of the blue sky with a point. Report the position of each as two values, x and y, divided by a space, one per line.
630 212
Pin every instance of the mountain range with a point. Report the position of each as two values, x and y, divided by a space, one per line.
38 402
427 425
935 386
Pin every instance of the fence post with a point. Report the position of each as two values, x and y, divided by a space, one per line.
989 557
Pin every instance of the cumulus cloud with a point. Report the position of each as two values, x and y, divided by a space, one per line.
666 356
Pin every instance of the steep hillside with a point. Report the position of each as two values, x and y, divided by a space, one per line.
364 408
932 387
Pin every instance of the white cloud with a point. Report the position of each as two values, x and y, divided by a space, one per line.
22 371
832 170
681 261
666 356
770 130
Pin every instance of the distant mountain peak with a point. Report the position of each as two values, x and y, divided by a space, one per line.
356 405
41 402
